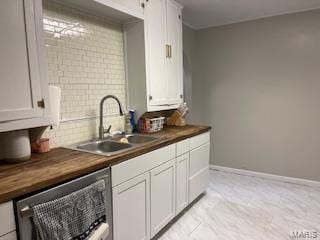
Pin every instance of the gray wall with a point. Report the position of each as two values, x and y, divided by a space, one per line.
258 84
189 37
189 43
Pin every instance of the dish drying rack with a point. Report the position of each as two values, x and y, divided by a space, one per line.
151 125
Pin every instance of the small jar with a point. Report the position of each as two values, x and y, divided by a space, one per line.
128 127
41 146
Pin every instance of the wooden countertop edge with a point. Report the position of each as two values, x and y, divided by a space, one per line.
99 162
158 144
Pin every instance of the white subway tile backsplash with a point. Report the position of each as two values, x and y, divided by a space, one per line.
85 58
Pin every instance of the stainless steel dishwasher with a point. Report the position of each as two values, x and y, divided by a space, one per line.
23 207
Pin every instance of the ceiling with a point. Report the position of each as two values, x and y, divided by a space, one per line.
208 13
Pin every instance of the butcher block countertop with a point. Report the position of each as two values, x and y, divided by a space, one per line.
60 164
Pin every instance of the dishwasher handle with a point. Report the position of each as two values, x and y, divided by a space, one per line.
26 212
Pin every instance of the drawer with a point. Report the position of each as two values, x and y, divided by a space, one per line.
198 184
199 140
9 236
183 147
138 165
7 218
199 159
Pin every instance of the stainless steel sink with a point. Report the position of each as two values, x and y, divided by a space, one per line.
136 138
104 146
113 145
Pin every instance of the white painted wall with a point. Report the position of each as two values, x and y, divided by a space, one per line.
258 84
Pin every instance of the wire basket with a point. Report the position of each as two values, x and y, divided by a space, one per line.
151 125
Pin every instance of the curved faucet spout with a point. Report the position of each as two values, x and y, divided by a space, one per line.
121 112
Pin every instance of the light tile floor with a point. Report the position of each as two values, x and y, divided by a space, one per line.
240 207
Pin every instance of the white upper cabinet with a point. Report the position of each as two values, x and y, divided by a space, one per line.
155 30
133 5
154 57
163 28
23 91
119 11
19 69
174 61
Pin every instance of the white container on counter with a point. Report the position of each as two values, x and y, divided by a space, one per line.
16 146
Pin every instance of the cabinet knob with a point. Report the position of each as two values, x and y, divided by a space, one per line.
142 5
150 97
181 96
41 103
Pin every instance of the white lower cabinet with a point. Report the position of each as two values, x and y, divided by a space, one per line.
162 196
9 236
198 184
131 209
7 222
150 190
198 170
182 182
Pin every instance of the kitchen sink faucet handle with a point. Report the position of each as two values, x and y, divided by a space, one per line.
105 132
108 129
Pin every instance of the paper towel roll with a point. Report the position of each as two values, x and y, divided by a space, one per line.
55 99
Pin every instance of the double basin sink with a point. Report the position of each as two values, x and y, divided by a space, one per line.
114 145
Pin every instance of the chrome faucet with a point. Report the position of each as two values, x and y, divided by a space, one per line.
102 131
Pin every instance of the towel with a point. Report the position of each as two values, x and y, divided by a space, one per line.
73 216
101 233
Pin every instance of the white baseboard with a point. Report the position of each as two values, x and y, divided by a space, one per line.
299 181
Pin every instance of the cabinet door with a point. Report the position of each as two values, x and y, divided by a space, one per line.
162 196
174 62
198 171
155 29
182 180
19 65
9 236
131 209
7 213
